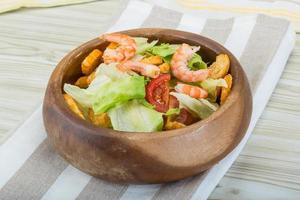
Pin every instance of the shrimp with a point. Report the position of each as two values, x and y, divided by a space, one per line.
192 91
179 65
145 69
125 51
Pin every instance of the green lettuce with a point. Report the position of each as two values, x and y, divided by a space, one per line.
110 88
164 50
211 85
117 92
86 97
200 108
143 45
196 62
111 71
167 59
83 97
145 103
173 111
135 117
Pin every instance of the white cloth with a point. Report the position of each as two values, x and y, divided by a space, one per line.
8 5
261 43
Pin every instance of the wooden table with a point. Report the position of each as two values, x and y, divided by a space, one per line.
32 41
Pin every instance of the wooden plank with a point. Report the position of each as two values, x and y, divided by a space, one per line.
32 42
240 189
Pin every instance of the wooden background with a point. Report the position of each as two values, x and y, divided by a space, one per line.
32 41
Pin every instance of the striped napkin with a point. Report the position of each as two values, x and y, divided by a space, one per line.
288 9
8 5
30 168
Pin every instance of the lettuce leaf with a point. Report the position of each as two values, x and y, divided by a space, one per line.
117 92
167 59
111 71
135 117
200 108
82 96
109 88
145 103
210 85
143 45
163 49
86 97
196 62
173 111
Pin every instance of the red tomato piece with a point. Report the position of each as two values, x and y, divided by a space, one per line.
173 102
157 92
185 117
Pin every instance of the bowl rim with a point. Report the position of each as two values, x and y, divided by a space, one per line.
238 78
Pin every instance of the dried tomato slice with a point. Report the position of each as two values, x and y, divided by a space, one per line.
185 117
157 92
173 102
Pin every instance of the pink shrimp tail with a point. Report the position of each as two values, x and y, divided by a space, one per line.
145 69
192 91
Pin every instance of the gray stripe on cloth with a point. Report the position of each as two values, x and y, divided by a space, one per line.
262 45
217 29
100 189
183 189
162 18
116 14
36 176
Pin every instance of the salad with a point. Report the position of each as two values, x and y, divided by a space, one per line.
138 85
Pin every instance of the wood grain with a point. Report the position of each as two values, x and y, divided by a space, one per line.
137 157
32 42
268 167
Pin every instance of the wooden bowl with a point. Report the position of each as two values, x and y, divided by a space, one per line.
146 157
